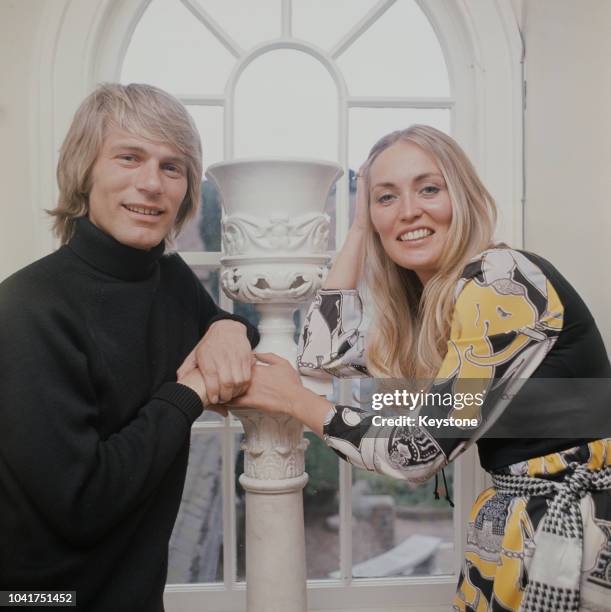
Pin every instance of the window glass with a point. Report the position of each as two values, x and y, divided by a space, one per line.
321 509
247 22
368 125
286 106
173 50
209 122
240 511
209 278
398 56
203 231
196 545
325 23
398 531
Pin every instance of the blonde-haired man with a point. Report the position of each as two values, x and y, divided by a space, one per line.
94 425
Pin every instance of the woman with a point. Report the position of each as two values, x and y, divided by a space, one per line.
450 306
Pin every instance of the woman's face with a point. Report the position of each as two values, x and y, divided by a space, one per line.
410 207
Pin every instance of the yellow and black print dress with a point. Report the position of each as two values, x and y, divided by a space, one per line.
515 318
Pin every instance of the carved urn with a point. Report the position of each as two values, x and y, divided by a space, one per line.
275 239
275 235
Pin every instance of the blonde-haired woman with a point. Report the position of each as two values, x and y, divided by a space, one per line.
451 307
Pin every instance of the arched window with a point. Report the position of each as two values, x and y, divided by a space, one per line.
306 78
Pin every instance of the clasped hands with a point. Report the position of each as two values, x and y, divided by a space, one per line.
223 370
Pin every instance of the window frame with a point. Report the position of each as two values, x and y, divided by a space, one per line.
81 44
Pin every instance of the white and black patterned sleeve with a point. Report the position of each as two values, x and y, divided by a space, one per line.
406 453
507 317
332 342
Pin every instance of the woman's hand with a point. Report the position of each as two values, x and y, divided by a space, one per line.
348 265
274 385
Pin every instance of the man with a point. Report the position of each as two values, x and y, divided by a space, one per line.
94 427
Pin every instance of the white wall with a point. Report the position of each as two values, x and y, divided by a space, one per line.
18 29
568 144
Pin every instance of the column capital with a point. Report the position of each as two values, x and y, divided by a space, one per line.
273 446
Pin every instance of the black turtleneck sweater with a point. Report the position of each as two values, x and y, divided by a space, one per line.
94 430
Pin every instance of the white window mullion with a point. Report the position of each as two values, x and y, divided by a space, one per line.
197 100
208 426
342 193
342 223
287 18
362 26
229 516
220 34
342 205
396 102
345 521
345 500
207 259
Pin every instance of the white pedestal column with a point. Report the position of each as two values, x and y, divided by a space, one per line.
275 236
275 541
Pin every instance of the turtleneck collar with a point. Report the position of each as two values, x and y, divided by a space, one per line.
105 254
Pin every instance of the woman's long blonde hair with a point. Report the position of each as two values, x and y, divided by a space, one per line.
411 324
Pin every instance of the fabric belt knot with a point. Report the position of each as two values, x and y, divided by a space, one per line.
555 570
577 484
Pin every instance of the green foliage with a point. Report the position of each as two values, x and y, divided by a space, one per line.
321 466
210 220
405 496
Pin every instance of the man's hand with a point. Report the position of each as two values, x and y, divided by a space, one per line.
193 379
224 359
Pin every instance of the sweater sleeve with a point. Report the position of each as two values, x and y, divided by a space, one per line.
506 318
52 454
332 341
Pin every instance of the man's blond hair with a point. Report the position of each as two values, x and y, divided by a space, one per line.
142 110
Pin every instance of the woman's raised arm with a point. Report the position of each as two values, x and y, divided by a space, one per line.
348 265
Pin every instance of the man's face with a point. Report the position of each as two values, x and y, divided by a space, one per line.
137 188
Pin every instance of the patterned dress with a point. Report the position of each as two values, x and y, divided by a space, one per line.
515 318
